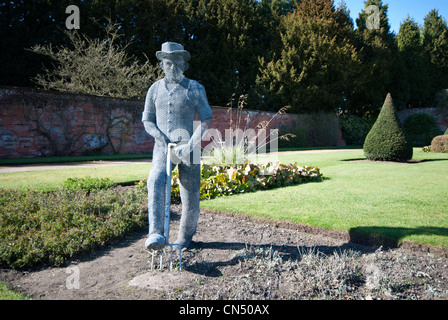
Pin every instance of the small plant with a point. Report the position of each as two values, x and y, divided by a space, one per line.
228 154
426 149
142 184
244 142
88 183
329 276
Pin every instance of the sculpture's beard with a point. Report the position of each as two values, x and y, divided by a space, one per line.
174 75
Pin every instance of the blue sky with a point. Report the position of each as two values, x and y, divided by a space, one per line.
400 9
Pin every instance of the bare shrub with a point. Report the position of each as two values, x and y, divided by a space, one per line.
96 66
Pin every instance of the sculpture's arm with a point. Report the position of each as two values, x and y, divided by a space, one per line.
149 118
152 129
205 115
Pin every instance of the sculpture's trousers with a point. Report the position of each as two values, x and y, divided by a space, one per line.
189 185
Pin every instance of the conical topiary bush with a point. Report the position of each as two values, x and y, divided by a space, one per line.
386 140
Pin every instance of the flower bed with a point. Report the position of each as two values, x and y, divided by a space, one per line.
225 180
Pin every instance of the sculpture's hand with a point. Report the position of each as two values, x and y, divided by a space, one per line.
174 158
182 153
158 136
184 150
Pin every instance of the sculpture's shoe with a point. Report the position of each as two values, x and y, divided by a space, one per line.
155 242
183 242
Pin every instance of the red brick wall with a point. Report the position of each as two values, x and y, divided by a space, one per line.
35 123
38 123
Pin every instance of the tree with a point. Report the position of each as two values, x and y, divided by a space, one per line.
383 29
225 39
310 72
144 26
386 141
412 52
97 67
383 69
271 13
435 43
22 25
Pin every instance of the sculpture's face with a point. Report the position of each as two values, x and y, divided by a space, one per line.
173 68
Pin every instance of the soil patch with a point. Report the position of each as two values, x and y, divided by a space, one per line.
239 257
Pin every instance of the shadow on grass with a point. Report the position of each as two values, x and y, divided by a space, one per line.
390 236
431 160
399 162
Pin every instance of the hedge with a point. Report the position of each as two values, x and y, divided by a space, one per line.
440 144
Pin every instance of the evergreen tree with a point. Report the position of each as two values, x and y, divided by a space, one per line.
22 25
146 24
411 49
310 73
383 69
225 38
435 43
387 141
366 15
271 13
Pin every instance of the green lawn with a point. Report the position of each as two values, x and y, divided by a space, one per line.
47 180
8 294
401 201
49 160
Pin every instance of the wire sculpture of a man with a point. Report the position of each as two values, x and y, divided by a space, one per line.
171 107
